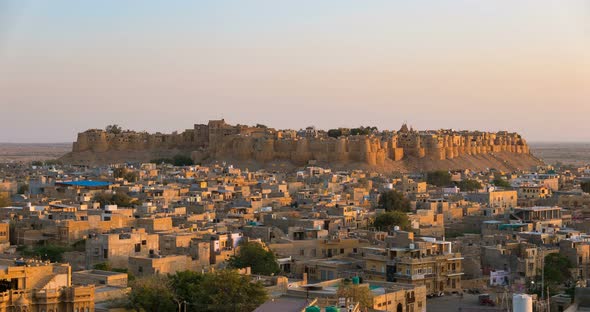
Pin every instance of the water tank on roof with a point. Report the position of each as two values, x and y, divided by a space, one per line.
356 280
313 309
522 303
332 309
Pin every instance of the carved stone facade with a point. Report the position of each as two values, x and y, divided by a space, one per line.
35 286
218 139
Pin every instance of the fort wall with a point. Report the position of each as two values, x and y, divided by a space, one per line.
220 140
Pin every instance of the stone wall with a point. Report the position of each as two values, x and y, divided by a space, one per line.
218 140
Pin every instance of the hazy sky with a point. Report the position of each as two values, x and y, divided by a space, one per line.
66 66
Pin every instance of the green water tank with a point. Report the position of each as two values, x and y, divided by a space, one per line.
356 280
332 309
313 309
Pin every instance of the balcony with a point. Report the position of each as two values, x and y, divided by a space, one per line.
415 277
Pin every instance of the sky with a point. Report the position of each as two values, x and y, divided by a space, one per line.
518 65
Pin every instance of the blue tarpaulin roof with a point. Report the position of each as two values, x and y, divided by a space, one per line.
86 183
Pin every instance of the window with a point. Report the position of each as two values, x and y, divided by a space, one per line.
137 247
341 250
105 253
144 242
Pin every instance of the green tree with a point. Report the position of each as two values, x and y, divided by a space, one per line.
103 266
23 188
253 255
439 178
557 269
334 133
360 293
227 290
362 130
393 200
114 129
224 290
126 174
162 161
119 199
585 186
387 220
499 182
469 185
182 160
52 253
187 287
152 294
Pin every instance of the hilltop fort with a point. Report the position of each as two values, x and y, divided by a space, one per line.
218 140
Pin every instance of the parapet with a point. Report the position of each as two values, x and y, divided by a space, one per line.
217 139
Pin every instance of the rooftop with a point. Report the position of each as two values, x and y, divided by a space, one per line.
85 183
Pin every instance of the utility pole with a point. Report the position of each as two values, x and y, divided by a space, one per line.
543 276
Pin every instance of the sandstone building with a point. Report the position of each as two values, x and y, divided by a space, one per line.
219 140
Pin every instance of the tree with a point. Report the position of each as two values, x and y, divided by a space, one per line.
334 133
182 160
387 220
152 294
162 161
103 266
469 185
227 288
499 182
360 293
253 255
187 286
439 178
585 186
119 199
362 130
224 290
126 174
557 269
52 253
393 200
114 129
23 188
